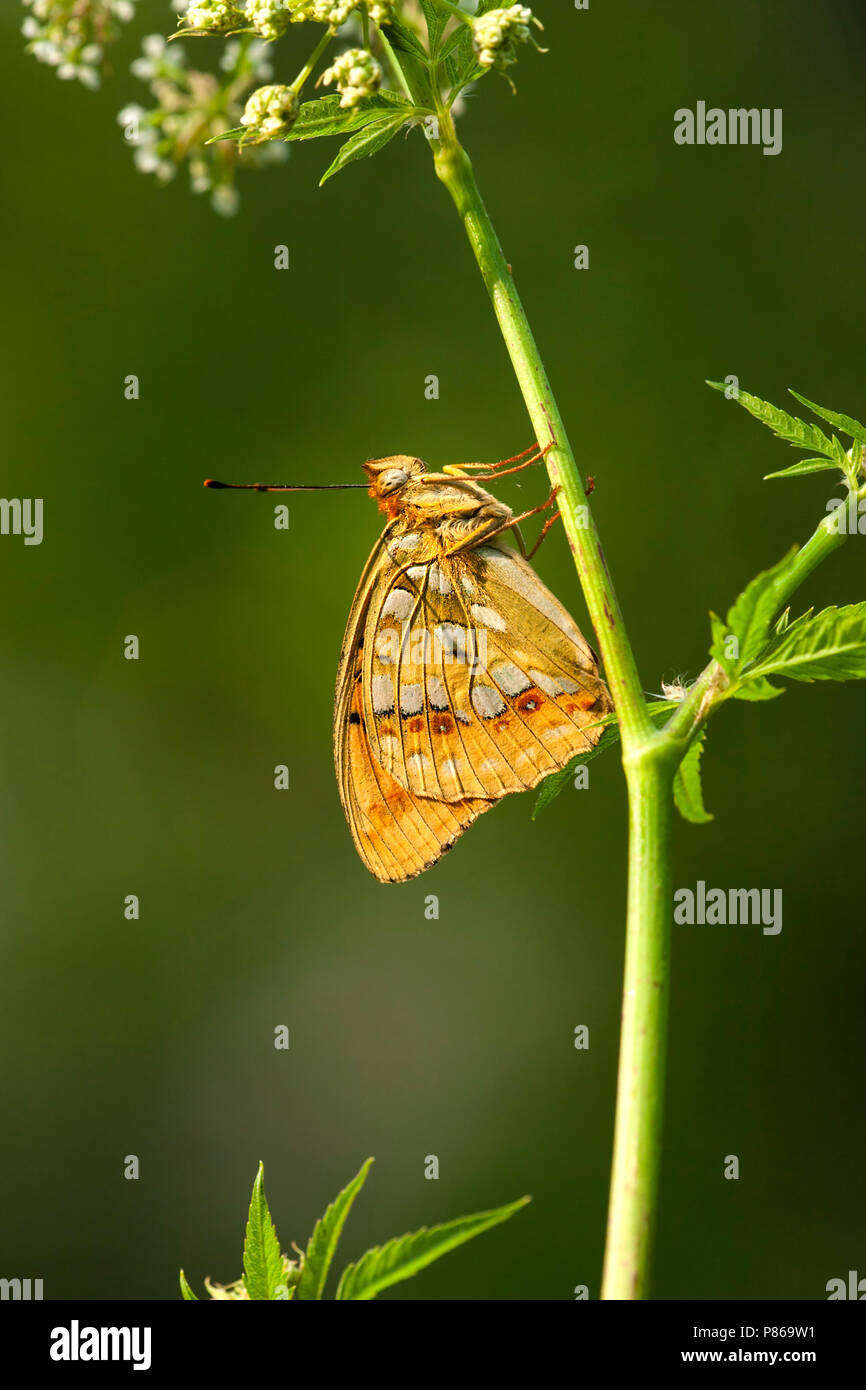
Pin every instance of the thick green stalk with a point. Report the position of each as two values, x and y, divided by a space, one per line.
649 763
643 1038
455 171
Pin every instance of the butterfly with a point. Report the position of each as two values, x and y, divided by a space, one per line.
461 677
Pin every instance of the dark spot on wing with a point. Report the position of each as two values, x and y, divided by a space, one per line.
529 702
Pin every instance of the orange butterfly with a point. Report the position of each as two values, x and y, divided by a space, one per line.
461 677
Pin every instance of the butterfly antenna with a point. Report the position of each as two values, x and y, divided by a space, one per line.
285 487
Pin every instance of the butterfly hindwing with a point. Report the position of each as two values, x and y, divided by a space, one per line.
477 682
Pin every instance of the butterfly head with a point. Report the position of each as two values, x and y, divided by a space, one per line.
388 476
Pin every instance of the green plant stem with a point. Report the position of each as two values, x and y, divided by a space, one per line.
457 12
312 61
393 64
643 1040
650 758
455 171
649 762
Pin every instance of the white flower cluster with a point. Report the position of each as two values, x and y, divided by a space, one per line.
356 74
495 35
333 12
213 17
270 18
192 107
271 112
71 35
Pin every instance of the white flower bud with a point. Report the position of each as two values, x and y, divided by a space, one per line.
70 34
356 75
495 35
213 17
130 114
379 11
270 18
225 200
332 12
270 113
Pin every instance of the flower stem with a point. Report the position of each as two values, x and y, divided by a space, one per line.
649 760
393 63
312 60
457 12
455 171
650 757
643 1038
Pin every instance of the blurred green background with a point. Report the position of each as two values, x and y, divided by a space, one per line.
411 1037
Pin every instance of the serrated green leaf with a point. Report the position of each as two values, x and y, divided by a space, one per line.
403 38
462 66
234 134
325 116
436 18
688 792
829 646
557 781
368 141
846 423
404 1256
804 466
470 72
326 1233
782 621
457 56
186 1291
788 427
459 38
756 689
749 618
263 1263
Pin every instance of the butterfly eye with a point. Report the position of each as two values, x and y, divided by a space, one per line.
391 480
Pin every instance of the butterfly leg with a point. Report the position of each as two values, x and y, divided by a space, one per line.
534 511
514 524
500 472
497 470
557 516
457 468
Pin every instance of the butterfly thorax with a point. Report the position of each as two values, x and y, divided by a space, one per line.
453 513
